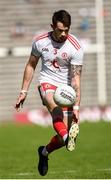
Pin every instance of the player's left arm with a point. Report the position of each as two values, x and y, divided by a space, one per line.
76 71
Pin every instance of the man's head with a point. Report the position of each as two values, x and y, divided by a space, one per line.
61 21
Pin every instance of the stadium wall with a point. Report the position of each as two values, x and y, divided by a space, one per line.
35 19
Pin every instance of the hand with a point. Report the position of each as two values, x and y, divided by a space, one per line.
76 116
20 101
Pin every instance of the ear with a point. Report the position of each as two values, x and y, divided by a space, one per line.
52 26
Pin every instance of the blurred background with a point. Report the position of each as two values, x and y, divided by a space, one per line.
21 20
23 132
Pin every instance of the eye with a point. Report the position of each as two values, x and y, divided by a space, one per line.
66 31
60 30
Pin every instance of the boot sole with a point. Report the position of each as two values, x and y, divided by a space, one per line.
73 132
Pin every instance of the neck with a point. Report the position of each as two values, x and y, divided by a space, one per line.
54 37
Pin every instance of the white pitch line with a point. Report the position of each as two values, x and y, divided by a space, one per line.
58 172
50 172
24 174
105 169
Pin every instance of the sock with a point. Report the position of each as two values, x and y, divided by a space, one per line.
44 152
61 129
65 137
54 144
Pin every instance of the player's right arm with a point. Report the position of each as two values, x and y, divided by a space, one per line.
27 78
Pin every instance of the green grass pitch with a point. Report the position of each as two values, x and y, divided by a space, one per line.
90 160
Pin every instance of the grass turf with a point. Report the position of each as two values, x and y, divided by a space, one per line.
90 160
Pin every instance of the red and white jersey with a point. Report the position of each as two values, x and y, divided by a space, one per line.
57 58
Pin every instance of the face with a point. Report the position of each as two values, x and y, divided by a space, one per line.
60 32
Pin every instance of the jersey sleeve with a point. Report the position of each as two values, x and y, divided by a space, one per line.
77 57
35 49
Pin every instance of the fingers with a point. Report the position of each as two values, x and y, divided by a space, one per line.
19 103
75 118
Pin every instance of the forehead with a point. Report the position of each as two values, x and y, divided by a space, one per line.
61 26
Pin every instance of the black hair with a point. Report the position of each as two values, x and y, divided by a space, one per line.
61 16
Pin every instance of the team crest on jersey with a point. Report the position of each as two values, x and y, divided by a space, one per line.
64 56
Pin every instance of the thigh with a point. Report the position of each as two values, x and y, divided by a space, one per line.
47 91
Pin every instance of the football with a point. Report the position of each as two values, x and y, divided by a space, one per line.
65 96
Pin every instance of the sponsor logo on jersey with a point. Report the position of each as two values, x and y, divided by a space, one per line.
45 49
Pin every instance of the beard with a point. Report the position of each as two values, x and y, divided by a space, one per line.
59 39
62 39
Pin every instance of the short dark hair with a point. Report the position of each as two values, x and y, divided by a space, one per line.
62 16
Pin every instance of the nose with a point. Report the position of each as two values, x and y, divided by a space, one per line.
63 33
